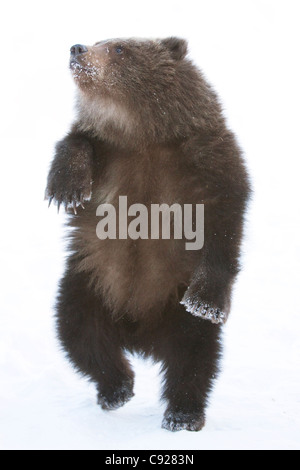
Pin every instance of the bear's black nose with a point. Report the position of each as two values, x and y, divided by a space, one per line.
78 49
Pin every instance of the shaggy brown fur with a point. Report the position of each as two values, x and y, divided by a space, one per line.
149 127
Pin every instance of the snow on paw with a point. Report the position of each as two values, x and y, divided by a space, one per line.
183 422
204 310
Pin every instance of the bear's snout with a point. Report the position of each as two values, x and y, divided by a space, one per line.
78 49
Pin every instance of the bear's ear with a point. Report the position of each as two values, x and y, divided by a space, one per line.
178 47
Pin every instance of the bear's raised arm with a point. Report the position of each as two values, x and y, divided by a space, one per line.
71 173
223 176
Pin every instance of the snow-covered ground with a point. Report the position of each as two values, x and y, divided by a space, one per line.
250 51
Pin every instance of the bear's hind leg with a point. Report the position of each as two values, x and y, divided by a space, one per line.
91 340
190 350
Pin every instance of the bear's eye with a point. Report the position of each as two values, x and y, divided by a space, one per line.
119 49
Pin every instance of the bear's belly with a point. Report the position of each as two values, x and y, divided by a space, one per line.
135 276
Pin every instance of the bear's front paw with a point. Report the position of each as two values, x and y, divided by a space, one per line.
205 310
176 421
69 187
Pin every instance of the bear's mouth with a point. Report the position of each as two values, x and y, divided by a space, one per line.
77 68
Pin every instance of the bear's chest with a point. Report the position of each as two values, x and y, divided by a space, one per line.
153 177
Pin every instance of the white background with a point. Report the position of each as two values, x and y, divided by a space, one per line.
249 50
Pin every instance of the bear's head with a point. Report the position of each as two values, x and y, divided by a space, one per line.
139 90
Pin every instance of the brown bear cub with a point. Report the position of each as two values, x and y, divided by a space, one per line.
150 128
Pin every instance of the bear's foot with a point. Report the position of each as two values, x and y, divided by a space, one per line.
117 398
177 421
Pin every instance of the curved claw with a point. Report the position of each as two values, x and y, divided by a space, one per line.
50 201
74 208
